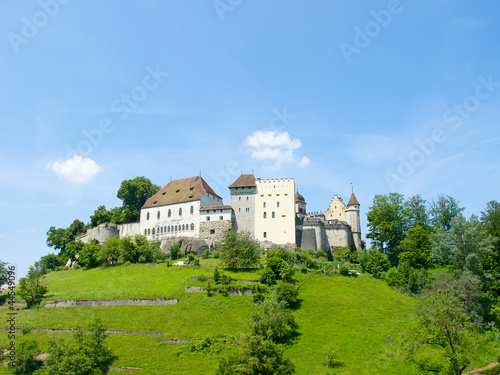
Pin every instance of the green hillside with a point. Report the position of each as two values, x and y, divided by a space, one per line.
352 315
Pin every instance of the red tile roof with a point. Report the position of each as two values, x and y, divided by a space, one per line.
299 198
245 180
353 200
179 191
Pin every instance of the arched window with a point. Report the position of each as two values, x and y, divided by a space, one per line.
158 215
192 226
191 210
265 234
183 228
147 216
265 215
172 228
149 231
168 229
161 229
153 231
169 213
264 205
278 204
176 228
180 211
145 232
272 215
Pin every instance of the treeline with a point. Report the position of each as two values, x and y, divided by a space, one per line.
412 240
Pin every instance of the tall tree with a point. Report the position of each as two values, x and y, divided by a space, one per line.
416 212
59 238
101 215
31 289
134 194
387 224
416 247
3 273
238 250
443 210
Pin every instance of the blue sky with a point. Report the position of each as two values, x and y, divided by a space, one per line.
389 95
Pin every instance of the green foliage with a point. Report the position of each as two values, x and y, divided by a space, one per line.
101 215
216 254
59 238
212 344
90 254
268 277
443 211
374 262
191 257
3 273
31 290
344 255
275 264
272 320
257 356
26 363
416 247
175 251
238 250
287 292
87 355
408 279
110 251
280 253
134 194
217 275
205 254
344 270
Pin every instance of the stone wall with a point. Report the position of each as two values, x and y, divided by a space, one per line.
189 245
101 233
111 302
213 230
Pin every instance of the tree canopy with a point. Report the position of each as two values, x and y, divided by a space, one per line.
134 194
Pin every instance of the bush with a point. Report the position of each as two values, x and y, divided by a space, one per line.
238 250
268 277
191 257
217 275
287 292
205 254
344 270
225 280
391 277
201 278
216 255
175 251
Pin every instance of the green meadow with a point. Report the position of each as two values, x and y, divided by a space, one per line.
353 316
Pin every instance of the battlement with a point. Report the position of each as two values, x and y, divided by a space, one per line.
274 180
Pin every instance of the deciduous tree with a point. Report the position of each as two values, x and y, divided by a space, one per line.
238 250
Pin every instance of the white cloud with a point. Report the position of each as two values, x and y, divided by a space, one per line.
77 170
273 146
304 162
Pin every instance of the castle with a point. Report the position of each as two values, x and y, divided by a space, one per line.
271 210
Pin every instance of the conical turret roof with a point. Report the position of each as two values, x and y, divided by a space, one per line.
353 200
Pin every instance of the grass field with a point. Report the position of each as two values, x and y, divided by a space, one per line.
352 315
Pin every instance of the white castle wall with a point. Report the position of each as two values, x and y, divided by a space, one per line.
243 203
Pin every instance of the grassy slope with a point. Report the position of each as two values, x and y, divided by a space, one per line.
352 315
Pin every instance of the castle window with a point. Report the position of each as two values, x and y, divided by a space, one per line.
273 215
147 216
192 226
239 209
247 209
158 215
149 231
180 211
172 228
239 198
265 234
265 215
212 231
183 227
169 213
208 218
145 232
221 218
176 228
247 198
278 204
264 205
191 210
168 229
161 229
153 232
165 230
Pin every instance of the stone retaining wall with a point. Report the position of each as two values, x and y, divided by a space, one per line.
200 289
111 302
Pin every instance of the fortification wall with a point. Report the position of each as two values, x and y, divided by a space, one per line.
213 230
129 229
101 233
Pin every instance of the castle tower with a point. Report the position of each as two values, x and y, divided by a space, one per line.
243 192
352 218
300 205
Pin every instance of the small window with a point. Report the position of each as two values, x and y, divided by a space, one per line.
172 228
169 213
239 209
192 226
239 198
161 229
247 209
221 217
208 218
191 210
212 231
165 230
265 234
264 205
145 232
285 195
180 211
176 228
168 229
273 215
153 232
183 227
278 204
158 215
149 231
247 198
147 216
265 215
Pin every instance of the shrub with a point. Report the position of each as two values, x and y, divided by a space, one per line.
201 278
217 275
175 251
216 255
287 292
344 270
268 277
196 262
191 257
205 254
391 277
275 264
225 279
